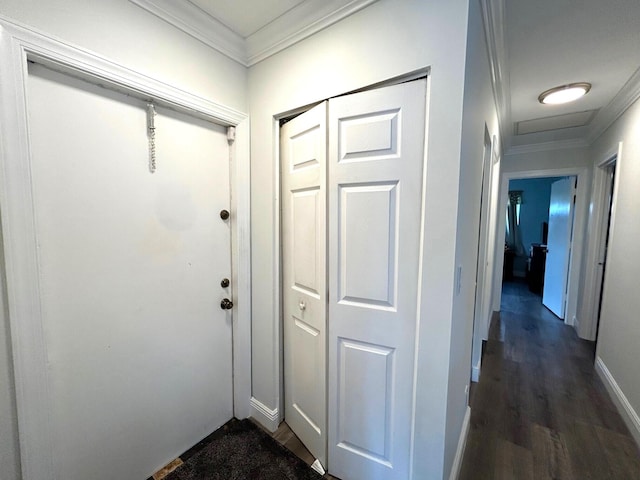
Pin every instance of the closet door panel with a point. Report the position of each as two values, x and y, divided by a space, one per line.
304 276
375 165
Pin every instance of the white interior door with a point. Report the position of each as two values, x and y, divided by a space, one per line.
376 141
303 173
558 245
130 265
480 314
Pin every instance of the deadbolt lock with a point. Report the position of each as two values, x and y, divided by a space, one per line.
226 304
224 283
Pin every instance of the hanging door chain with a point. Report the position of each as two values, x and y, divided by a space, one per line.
151 133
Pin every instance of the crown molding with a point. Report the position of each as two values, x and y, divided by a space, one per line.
629 93
197 24
302 21
494 20
605 117
546 146
298 23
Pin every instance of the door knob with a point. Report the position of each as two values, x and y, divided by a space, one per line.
224 214
302 305
226 304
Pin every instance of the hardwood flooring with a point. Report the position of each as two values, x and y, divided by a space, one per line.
539 410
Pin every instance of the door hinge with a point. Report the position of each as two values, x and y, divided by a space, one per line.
231 134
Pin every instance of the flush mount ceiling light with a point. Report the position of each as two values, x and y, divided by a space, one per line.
564 93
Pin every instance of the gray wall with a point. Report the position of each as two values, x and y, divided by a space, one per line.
618 345
479 113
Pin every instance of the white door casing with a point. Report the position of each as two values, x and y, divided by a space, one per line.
139 350
304 276
376 141
559 245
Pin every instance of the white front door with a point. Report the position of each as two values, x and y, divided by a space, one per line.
304 276
558 245
130 266
376 144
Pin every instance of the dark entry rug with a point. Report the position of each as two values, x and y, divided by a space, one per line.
240 450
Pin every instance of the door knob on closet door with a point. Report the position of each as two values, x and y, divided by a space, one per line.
226 304
224 214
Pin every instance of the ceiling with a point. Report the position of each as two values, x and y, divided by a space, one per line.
244 16
548 43
533 46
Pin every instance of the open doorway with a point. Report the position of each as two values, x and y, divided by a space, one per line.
538 237
608 175
605 230
503 268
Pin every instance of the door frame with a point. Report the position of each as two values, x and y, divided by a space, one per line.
19 45
486 246
578 237
588 325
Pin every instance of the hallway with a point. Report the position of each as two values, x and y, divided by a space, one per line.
539 410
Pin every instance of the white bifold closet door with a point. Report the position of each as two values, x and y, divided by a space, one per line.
304 276
372 231
130 265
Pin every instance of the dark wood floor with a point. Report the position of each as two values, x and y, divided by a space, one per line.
540 411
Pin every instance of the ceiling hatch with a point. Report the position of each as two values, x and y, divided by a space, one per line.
569 120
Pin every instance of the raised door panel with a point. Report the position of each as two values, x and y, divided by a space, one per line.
367 240
375 169
306 238
365 422
303 168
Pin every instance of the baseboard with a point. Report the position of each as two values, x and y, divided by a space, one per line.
462 443
628 414
269 419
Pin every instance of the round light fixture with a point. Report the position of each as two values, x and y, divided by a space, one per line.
564 93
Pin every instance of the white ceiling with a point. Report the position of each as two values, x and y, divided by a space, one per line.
246 17
534 45
555 42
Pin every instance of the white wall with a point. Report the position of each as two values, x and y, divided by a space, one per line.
545 160
387 39
619 336
126 34
479 113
